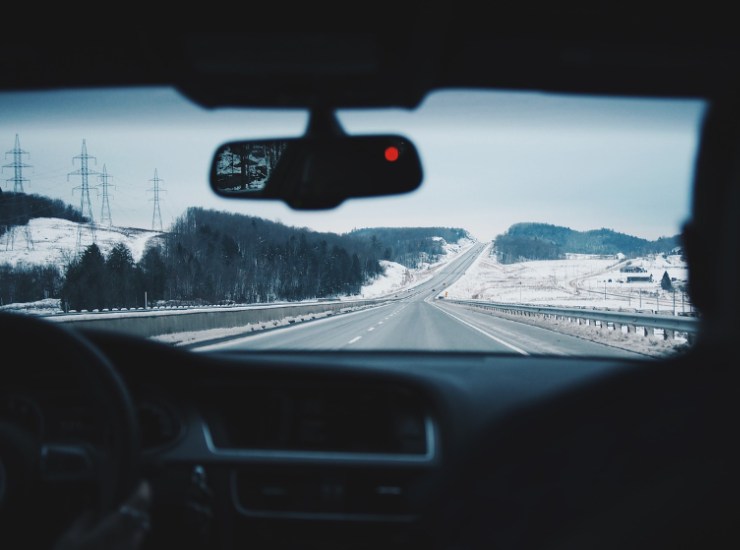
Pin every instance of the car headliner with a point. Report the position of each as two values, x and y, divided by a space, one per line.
643 52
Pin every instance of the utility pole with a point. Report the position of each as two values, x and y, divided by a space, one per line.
156 214
84 172
105 217
17 165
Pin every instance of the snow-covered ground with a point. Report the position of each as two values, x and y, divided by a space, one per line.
584 281
579 281
398 278
53 241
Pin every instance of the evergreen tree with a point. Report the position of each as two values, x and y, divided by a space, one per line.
153 273
665 282
84 284
122 276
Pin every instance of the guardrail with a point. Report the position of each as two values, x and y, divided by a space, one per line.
151 322
648 324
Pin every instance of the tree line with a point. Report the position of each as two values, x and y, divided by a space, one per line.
540 241
410 246
17 209
215 257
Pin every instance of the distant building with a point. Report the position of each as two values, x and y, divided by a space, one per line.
640 278
633 269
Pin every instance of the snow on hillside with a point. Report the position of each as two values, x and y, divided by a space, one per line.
53 241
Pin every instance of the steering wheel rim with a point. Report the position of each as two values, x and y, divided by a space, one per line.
114 463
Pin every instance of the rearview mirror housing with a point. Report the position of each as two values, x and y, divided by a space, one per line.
316 172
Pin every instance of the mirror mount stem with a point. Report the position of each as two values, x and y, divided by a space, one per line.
323 123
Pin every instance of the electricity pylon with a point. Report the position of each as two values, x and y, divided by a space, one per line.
18 165
84 172
105 217
156 214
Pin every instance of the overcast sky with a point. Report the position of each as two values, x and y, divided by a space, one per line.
490 159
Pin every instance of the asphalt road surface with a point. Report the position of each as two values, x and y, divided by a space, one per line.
419 320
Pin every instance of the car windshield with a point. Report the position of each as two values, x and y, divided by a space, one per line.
545 223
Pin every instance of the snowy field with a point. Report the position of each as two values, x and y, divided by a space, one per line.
579 281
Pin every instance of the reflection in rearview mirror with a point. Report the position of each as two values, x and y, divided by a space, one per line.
310 173
246 167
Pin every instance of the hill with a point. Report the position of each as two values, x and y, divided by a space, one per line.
540 241
206 256
17 209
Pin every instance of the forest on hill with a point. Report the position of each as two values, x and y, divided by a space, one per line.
210 256
411 246
540 241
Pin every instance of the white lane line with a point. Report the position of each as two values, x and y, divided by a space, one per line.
491 336
371 329
380 322
354 339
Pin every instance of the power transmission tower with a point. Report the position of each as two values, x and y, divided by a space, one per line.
105 218
156 214
17 165
84 172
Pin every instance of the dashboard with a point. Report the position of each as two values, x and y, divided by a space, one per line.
286 449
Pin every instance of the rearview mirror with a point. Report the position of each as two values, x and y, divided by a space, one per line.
316 172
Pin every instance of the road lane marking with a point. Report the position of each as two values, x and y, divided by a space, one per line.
371 329
282 329
491 336
354 339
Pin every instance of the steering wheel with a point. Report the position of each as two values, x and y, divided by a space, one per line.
37 467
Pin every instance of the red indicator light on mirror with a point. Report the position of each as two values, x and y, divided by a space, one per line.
391 153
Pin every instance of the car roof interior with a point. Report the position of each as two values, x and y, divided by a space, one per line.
684 52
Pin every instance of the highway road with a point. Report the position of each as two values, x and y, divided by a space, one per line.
419 320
